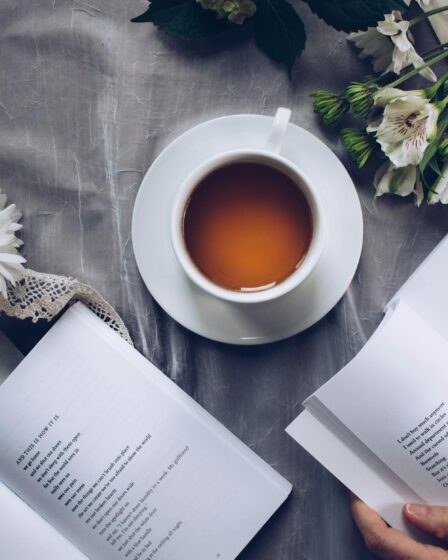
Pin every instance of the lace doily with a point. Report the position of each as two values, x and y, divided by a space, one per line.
43 296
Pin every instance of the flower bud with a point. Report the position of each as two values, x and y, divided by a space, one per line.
360 98
359 144
330 106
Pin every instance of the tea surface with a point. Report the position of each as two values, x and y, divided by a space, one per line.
247 226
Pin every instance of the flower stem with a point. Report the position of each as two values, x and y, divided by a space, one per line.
442 104
426 15
434 50
426 56
416 71
431 91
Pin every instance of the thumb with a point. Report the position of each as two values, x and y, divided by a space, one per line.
431 519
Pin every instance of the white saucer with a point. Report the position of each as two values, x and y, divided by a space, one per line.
248 323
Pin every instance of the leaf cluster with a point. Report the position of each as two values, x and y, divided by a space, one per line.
277 27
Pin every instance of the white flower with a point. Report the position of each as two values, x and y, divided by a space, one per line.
440 189
11 269
401 181
406 126
386 95
373 43
390 44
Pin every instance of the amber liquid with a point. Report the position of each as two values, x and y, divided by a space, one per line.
247 226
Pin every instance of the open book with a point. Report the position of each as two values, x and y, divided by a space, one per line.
102 456
381 424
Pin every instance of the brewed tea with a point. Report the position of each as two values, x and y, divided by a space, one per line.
247 226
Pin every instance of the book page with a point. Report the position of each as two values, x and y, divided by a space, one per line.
425 290
24 534
356 469
393 397
122 462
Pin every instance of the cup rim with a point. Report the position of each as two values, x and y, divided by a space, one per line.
180 203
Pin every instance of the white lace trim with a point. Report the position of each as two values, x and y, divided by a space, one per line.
43 296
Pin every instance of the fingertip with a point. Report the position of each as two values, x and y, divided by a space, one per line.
359 508
415 511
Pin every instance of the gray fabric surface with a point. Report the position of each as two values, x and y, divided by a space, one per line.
87 101
10 357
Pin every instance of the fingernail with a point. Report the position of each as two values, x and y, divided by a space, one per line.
416 510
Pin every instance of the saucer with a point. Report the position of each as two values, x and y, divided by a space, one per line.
237 323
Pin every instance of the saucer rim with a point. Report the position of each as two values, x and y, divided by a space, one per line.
279 334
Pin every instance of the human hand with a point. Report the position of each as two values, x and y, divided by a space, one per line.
390 544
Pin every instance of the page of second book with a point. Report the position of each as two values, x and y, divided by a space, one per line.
393 397
115 465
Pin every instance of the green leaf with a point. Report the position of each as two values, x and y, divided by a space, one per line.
434 165
279 31
183 18
396 181
354 15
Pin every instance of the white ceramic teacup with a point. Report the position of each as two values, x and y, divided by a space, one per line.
270 156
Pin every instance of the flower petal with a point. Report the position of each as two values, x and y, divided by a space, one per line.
402 42
11 262
419 192
386 95
388 28
3 290
399 61
383 179
410 152
440 189
431 123
407 181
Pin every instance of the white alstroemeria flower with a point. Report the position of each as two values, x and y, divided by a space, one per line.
11 269
440 188
374 44
402 181
390 44
384 96
407 125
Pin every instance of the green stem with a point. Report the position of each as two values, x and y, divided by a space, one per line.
442 104
431 91
426 15
426 55
416 71
434 50
376 79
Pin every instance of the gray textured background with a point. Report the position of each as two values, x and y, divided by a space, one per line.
87 100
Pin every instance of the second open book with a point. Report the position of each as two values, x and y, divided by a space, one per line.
381 424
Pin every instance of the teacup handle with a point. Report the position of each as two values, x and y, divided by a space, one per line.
281 121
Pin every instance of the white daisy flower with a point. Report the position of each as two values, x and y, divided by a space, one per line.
11 269
400 181
390 44
407 125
